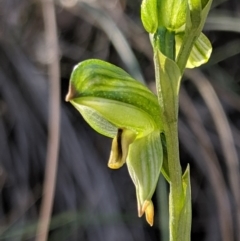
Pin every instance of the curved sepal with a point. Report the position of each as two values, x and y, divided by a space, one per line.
97 78
144 164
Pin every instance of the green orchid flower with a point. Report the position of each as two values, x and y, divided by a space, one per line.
117 106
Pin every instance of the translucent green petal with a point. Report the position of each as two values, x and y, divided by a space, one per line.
144 164
200 53
96 120
106 116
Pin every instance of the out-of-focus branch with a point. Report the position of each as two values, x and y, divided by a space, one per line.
225 135
53 121
213 167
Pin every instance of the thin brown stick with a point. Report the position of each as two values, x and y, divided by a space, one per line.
53 121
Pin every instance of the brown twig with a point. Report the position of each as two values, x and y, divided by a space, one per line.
54 119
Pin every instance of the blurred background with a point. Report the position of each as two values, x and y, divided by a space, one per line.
91 201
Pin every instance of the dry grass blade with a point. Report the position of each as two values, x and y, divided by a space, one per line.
222 23
225 134
54 120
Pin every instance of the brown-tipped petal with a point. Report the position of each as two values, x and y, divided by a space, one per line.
120 146
149 213
71 93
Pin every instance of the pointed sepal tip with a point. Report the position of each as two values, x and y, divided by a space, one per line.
71 93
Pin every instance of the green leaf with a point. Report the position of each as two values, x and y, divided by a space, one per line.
195 9
206 5
169 82
185 220
149 15
200 53
144 165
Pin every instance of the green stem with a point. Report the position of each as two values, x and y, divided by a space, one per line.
164 41
162 195
175 173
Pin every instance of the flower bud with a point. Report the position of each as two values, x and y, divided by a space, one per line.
170 14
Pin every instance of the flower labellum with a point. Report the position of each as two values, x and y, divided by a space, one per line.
120 146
